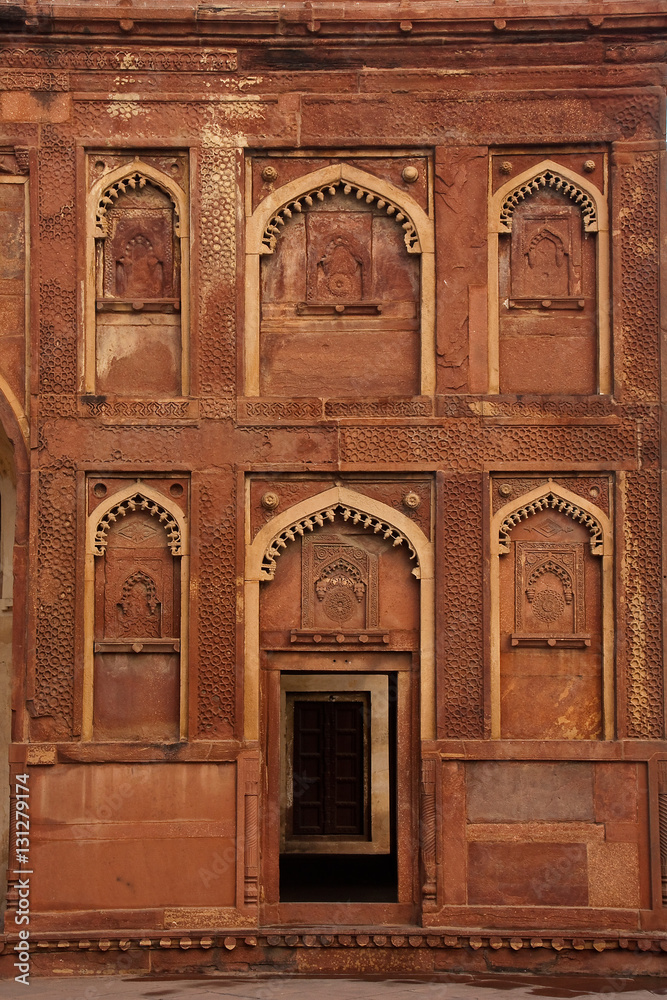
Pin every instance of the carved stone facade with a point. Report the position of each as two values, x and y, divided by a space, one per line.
331 461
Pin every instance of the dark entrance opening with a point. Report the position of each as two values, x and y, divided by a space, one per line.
330 787
338 878
329 773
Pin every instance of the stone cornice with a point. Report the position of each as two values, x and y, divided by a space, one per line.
404 18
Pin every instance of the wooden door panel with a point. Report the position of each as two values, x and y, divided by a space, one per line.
329 768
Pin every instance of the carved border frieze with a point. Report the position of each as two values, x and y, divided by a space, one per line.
281 409
133 409
185 924
49 81
467 444
86 57
409 407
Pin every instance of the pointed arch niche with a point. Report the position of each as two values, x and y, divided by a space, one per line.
136 595
345 507
340 289
137 284
549 329
552 641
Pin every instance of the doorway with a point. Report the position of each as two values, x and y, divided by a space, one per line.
338 788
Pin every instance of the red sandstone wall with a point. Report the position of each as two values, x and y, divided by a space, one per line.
550 831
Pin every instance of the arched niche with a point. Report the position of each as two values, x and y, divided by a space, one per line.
549 329
338 505
136 623
552 638
137 284
340 281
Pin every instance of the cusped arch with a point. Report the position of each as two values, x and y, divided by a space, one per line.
552 496
137 496
541 176
549 566
547 234
132 176
273 211
143 580
348 506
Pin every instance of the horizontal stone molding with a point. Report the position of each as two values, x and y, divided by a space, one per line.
367 938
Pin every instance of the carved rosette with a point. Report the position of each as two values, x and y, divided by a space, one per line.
339 586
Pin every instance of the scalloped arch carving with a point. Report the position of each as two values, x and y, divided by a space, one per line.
592 202
135 178
558 182
138 502
317 519
139 577
552 501
549 566
265 223
347 187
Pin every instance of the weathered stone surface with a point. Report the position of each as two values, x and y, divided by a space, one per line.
513 792
330 374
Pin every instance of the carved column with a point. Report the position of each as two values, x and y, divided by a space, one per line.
428 834
662 818
12 895
250 865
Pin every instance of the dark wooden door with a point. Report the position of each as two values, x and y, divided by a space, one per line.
328 768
